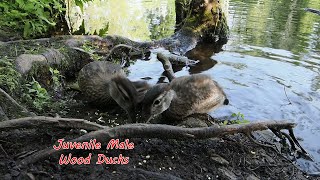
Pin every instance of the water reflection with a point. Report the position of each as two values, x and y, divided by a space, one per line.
278 44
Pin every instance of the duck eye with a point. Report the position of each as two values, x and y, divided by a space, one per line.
156 102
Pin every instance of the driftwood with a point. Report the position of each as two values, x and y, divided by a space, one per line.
104 134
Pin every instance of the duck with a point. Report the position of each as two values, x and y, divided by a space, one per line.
182 97
104 83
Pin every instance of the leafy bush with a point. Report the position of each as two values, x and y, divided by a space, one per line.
33 17
36 95
237 118
42 100
56 79
9 77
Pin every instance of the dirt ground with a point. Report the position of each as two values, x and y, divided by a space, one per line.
230 157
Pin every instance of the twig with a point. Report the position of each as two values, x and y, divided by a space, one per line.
249 135
5 153
264 166
4 141
292 144
284 88
90 52
297 143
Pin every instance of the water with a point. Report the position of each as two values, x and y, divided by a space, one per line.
269 69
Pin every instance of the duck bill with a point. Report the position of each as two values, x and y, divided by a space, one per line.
146 117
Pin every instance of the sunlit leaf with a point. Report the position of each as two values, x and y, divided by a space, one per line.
26 29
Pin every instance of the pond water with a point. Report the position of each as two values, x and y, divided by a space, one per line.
269 69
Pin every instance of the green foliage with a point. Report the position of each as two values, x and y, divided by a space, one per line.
36 95
56 79
31 17
9 77
80 3
103 32
41 99
90 48
236 118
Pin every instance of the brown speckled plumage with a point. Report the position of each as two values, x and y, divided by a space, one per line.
192 94
93 80
104 83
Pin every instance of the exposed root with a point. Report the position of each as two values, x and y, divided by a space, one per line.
89 52
3 115
9 105
250 136
41 121
121 48
159 131
4 152
14 102
294 144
